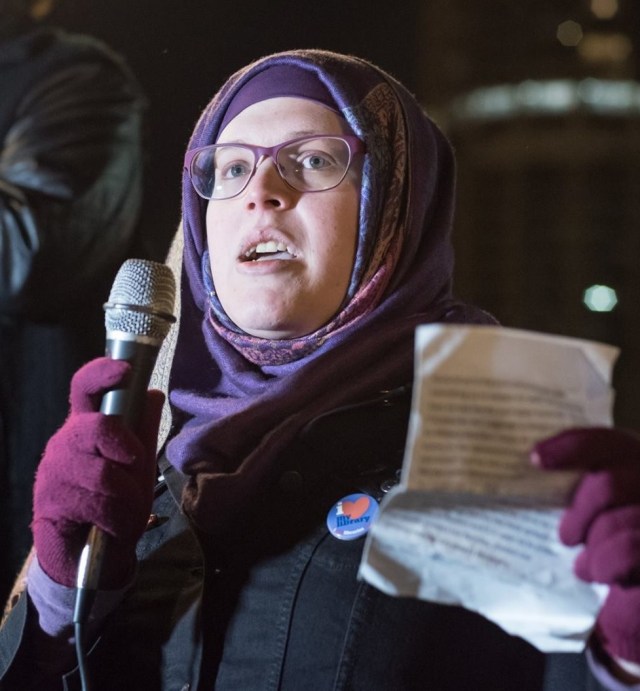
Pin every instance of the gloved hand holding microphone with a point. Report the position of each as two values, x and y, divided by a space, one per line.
98 470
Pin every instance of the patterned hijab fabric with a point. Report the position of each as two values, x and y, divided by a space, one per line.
239 401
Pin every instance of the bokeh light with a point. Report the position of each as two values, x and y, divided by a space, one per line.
569 33
605 48
600 298
604 9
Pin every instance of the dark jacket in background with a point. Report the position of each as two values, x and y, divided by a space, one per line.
70 194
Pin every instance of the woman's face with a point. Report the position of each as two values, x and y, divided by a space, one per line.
293 291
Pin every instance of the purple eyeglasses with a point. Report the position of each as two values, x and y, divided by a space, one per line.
307 164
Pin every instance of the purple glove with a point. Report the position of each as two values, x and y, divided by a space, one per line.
604 516
95 471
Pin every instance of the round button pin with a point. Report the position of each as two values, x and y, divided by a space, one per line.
351 517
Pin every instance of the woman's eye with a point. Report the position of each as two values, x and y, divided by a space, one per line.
314 161
235 169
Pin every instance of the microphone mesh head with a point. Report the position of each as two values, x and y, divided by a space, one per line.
141 299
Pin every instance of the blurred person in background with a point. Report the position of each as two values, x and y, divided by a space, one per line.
70 192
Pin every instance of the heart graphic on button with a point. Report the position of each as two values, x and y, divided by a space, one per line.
351 517
355 509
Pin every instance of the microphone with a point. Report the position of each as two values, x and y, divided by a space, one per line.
138 316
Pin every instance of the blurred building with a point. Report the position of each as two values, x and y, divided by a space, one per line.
542 103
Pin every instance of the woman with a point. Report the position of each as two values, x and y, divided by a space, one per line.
317 211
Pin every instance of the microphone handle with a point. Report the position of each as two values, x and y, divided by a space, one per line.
127 401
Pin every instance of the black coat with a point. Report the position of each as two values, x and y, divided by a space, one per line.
70 191
275 603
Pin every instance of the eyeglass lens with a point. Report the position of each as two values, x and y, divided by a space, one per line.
309 165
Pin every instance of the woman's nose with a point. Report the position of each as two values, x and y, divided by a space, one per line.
267 188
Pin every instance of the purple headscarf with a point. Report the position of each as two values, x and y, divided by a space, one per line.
239 401
278 80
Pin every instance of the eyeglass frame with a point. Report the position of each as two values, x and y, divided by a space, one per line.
354 144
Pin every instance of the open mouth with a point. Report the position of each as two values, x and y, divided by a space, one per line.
268 250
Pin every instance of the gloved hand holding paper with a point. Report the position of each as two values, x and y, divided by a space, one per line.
472 522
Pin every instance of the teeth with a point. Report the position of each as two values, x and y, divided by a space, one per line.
268 247
271 246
